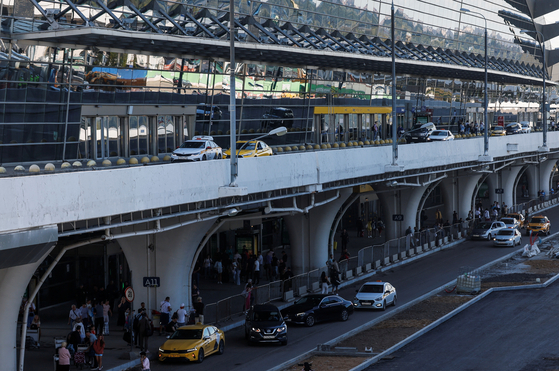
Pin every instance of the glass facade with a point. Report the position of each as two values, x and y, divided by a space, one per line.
43 89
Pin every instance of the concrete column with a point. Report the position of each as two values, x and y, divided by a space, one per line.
308 233
449 196
546 169
404 201
509 176
532 173
168 255
466 188
492 183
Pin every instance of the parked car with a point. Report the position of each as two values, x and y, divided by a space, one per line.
513 128
507 237
193 343
200 148
264 323
253 148
526 126
538 224
486 230
420 132
277 117
497 131
519 217
315 308
511 222
205 113
440 135
375 295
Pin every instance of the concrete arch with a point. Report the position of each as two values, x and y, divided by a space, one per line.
168 255
510 177
546 174
467 185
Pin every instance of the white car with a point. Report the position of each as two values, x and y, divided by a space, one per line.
508 237
440 135
200 148
511 222
375 295
526 127
487 230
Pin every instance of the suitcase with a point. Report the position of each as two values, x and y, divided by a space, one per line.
79 359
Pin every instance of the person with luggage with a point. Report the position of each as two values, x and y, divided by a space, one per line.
63 357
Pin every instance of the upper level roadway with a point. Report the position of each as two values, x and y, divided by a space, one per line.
68 199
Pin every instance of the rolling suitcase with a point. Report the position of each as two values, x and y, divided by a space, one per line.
79 358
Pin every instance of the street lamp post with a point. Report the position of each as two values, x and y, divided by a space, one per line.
394 129
485 100
544 147
232 101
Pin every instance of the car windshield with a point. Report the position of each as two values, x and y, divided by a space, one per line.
483 226
248 146
505 232
261 316
190 334
193 144
438 132
537 220
371 289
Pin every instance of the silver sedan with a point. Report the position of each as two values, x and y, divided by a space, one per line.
508 237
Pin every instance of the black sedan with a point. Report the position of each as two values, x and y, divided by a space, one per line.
316 308
513 128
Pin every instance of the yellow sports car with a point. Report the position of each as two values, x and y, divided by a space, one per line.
253 148
538 224
193 343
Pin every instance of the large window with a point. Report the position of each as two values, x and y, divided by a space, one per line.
139 134
165 134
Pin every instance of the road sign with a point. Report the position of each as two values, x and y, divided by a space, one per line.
129 294
151 281
499 191
398 217
501 120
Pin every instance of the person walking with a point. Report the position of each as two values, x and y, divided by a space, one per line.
324 281
219 270
99 348
256 271
199 307
247 292
73 316
165 309
370 229
63 357
181 316
99 318
345 239
145 332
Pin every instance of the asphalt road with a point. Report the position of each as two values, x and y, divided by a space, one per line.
411 281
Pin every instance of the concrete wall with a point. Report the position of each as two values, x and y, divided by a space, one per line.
37 200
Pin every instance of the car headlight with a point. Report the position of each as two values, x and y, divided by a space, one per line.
192 349
300 314
254 329
281 329
378 299
161 350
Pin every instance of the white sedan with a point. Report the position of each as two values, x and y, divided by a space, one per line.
508 237
440 135
375 295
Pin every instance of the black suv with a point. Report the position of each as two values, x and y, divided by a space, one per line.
205 113
277 117
264 324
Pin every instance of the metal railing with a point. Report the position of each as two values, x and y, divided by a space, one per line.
234 306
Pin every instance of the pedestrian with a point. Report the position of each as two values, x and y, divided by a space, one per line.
145 331
199 307
84 314
370 229
181 316
99 318
345 239
196 273
359 227
122 307
409 232
324 282
73 316
207 267
256 271
486 215
194 293
247 292
99 348
335 279
438 216
36 325
145 361
63 357
380 226
106 314
90 338
219 270
165 310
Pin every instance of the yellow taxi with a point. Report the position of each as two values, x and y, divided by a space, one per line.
519 217
497 131
253 148
538 224
193 343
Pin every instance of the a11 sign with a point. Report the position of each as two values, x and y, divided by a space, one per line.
151 282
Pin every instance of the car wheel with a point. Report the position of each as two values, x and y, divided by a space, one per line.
384 305
394 301
310 320
489 237
221 347
344 315
204 158
219 156
200 355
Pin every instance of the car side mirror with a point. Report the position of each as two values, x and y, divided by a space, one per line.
206 338
208 147
323 305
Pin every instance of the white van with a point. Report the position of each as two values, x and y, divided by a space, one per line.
526 126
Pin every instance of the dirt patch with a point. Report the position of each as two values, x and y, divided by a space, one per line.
397 328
